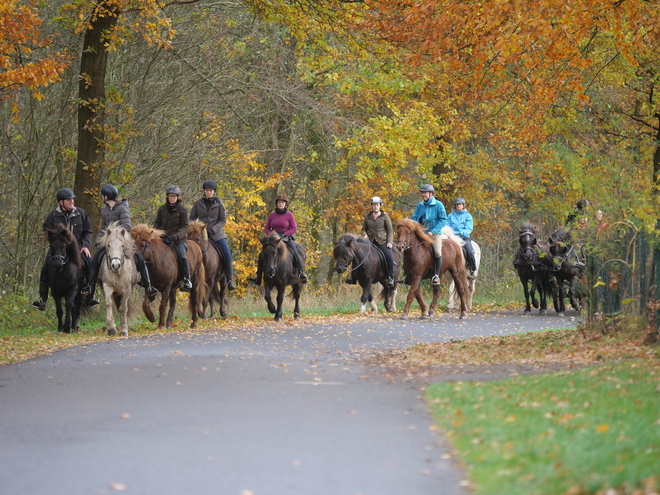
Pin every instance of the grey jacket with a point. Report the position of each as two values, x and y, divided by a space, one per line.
117 213
214 217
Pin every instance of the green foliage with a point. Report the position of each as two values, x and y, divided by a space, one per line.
591 429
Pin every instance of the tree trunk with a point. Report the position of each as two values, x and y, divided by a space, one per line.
656 158
91 113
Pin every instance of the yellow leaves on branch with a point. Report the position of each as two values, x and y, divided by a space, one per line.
20 43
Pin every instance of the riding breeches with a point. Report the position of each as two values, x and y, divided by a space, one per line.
226 253
437 245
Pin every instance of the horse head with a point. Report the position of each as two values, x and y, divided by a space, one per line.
274 250
63 247
406 231
344 252
118 244
143 235
197 231
527 241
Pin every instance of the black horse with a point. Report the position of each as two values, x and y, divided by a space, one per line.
279 270
532 262
368 268
565 278
65 277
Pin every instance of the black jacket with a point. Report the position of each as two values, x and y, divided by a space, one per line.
76 221
174 221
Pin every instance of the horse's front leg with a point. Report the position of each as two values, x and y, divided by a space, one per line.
366 296
109 316
170 312
422 303
280 300
297 288
269 299
434 301
392 294
461 282
528 309
222 299
68 307
123 310
60 313
162 307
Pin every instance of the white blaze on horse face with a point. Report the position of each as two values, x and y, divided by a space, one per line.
115 251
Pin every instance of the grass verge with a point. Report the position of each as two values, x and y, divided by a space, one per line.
574 432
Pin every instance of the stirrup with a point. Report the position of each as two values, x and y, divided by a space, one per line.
92 302
186 285
86 290
39 304
252 280
349 281
390 282
231 285
303 277
152 292
435 280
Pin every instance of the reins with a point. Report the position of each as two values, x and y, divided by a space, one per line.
143 251
363 261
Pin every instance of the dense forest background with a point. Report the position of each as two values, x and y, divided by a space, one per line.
522 111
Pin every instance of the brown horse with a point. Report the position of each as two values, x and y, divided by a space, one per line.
164 273
216 279
418 265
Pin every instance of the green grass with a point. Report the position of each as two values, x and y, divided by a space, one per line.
574 432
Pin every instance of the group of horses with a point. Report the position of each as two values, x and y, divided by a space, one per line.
118 273
553 268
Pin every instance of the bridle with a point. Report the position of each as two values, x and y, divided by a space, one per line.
356 256
144 250
527 249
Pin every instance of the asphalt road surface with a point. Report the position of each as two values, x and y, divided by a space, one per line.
291 409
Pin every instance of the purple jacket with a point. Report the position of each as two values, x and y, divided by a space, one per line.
282 223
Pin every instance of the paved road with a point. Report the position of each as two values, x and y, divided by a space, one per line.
285 410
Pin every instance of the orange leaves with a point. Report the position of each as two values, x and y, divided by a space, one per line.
20 44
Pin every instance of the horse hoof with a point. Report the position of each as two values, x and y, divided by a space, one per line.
542 311
463 316
424 317
403 317
391 310
124 334
526 312
112 331
296 316
278 318
560 314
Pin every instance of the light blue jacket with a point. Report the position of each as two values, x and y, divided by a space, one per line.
461 222
431 215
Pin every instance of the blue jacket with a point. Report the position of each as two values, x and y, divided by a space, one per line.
431 215
461 222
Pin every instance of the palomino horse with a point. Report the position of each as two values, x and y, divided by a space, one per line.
279 271
65 277
368 269
118 275
418 265
216 280
533 262
164 273
452 305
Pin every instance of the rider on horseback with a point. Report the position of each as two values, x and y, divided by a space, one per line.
116 211
432 215
76 220
461 221
282 221
211 210
377 227
172 217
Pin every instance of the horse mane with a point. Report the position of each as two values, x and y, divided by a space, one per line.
71 243
143 231
273 239
129 245
196 227
527 227
416 229
562 234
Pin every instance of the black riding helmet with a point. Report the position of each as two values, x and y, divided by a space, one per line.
209 184
110 191
173 190
65 193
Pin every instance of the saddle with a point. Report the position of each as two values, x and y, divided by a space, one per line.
179 262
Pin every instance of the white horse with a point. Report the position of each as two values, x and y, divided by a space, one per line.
118 273
454 301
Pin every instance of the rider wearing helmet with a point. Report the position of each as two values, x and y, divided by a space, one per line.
580 210
461 222
282 221
211 210
172 217
76 220
377 227
116 211
432 215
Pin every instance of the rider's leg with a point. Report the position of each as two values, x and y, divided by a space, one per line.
229 268
257 279
87 267
186 285
40 303
89 289
297 261
470 260
145 279
437 262
389 263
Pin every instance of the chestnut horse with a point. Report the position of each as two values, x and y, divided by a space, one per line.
418 265
216 279
164 273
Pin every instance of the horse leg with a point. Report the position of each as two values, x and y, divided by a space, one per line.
365 296
122 307
222 299
269 301
162 307
372 300
420 300
297 288
434 302
452 302
414 287
170 312
280 299
109 317
524 281
68 306
543 293
193 304
393 293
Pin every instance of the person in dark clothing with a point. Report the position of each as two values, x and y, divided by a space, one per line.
116 210
211 210
76 220
172 217
580 210
282 221
377 227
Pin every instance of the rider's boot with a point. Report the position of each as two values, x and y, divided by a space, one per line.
40 303
437 264
145 279
229 273
186 285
